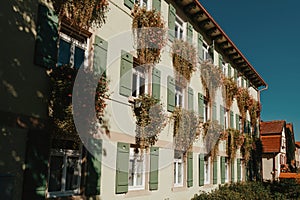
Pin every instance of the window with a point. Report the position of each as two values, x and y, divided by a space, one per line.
144 3
226 170
136 175
224 68
206 170
205 49
178 168
71 51
139 79
178 96
180 27
64 172
225 119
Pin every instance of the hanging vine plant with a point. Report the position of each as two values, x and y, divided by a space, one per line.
243 102
215 133
83 13
184 59
211 78
229 91
60 104
149 33
150 120
247 147
185 128
254 111
234 141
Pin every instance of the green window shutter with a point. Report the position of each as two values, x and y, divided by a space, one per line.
200 45
201 105
247 83
235 75
229 71
223 170
231 119
222 116
171 22
156 4
220 61
243 82
215 171
126 74
37 157
156 83
153 176
190 99
189 33
100 55
171 94
232 170
129 3
47 37
214 111
237 122
239 169
122 168
201 169
93 176
190 169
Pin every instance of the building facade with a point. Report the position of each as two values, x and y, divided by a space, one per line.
36 165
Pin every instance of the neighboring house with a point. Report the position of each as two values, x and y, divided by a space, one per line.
297 154
32 169
273 137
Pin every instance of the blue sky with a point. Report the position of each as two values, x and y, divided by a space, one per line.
268 34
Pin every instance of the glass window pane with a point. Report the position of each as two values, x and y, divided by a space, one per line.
56 165
134 85
64 52
72 173
180 172
131 172
139 180
142 86
175 174
78 57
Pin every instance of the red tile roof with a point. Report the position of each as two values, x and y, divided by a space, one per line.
271 127
271 143
297 144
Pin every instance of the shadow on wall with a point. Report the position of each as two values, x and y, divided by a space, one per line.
23 85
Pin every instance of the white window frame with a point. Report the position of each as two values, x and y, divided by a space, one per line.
178 170
207 171
142 3
74 42
65 153
139 156
140 73
180 25
179 92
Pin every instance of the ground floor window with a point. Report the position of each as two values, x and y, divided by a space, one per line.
178 168
226 170
64 172
206 170
136 175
